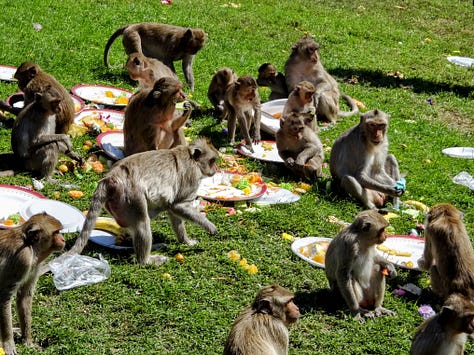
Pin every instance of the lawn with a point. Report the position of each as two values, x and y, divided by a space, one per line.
389 55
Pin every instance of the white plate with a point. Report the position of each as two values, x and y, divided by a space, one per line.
460 152
463 61
404 243
277 195
108 116
219 188
7 72
12 198
306 242
107 240
264 150
112 144
269 123
71 218
17 100
97 94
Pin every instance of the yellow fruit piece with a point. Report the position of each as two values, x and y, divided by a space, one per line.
166 276
247 191
75 193
109 93
418 205
319 258
56 194
252 269
122 100
179 258
287 236
63 168
243 262
233 255
305 186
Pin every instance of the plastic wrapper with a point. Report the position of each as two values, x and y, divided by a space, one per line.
74 270
463 178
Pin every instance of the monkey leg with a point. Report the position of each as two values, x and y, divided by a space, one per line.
436 282
187 211
352 186
244 130
24 302
6 326
43 161
231 126
179 228
326 107
187 66
376 292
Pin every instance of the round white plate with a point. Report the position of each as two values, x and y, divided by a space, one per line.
219 188
463 61
71 218
269 123
12 198
264 150
17 100
97 94
276 195
298 244
112 144
108 116
107 240
404 244
7 72
460 152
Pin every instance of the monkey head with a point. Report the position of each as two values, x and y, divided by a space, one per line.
193 40
246 86
205 155
370 227
267 74
25 73
166 90
49 100
278 302
305 91
135 64
374 125
458 312
306 48
294 123
445 210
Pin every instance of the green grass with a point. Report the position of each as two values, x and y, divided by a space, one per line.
137 311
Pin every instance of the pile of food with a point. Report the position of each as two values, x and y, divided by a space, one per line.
315 251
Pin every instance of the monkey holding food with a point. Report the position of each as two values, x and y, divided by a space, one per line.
304 64
448 254
355 270
22 250
242 105
164 42
262 327
446 332
299 146
142 185
361 166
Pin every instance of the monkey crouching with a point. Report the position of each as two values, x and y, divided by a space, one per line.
262 327
22 249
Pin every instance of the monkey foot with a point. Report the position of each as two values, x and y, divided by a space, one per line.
379 311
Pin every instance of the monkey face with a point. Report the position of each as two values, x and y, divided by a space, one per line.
376 131
292 312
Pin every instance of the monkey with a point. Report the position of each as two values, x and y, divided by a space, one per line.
220 82
448 254
446 332
142 185
299 146
304 64
151 121
242 104
147 70
36 147
270 77
300 99
262 327
355 270
31 80
360 165
22 250
164 42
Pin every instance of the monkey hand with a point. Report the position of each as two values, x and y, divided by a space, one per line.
379 311
187 106
290 161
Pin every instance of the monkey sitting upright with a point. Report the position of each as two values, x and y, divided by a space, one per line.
220 82
301 100
355 270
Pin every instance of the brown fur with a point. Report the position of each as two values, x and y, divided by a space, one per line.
147 70
270 77
301 100
220 82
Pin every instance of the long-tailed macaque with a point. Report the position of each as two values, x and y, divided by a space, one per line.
262 327
147 70
151 120
269 76
31 80
22 250
304 64
355 269
220 82
300 99
448 255
164 42
446 332
242 105
36 147
299 146
360 164
142 185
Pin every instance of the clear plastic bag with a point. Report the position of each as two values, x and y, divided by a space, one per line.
463 178
73 270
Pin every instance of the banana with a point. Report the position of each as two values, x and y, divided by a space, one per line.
417 204
109 225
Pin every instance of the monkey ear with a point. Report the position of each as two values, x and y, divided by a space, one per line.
446 313
188 35
32 233
264 307
196 153
32 71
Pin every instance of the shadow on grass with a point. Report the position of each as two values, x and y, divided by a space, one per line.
377 78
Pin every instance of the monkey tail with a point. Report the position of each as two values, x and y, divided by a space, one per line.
352 104
111 40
